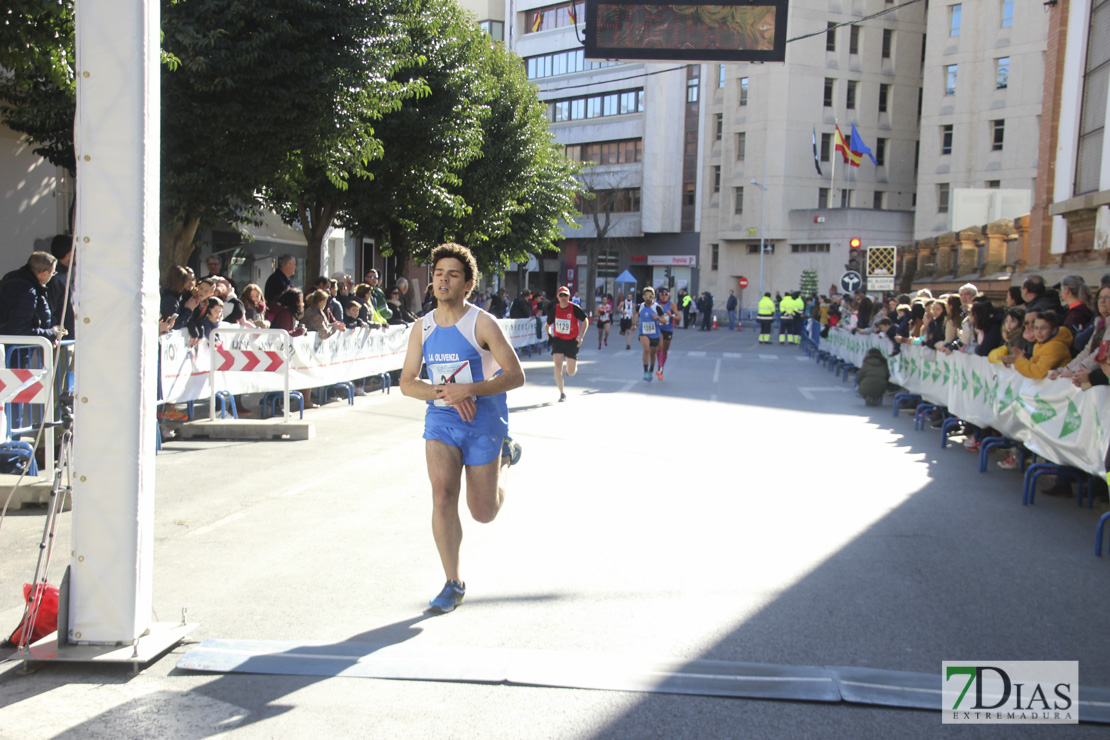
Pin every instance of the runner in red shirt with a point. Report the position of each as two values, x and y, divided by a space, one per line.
566 324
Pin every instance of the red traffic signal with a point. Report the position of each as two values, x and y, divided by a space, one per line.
855 243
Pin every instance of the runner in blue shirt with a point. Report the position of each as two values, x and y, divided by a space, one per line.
647 319
470 365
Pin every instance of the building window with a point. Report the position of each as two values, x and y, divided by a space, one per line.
767 248
808 248
716 178
561 63
689 193
692 90
621 200
884 96
830 37
714 256
1092 116
880 152
877 203
596 106
1007 13
624 151
741 146
718 126
994 184
1001 72
954 13
888 42
496 29
851 98
846 198
743 91
946 139
950 79
738 201
555 16
822 197
829 92
942 197
853 40
720 75
826 146
998 134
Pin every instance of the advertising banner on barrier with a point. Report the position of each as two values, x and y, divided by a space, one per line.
1052 418
347 355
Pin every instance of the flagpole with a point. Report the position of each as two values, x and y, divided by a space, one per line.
836 124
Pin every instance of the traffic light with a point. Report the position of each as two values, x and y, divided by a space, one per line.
854 260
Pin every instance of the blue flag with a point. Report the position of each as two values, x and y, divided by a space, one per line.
858 147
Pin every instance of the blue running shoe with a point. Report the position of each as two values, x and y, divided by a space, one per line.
647 376
451 596
511 450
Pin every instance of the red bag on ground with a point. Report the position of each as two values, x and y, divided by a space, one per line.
47 618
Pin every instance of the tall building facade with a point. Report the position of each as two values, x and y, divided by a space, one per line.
763 186
980 113
1070 221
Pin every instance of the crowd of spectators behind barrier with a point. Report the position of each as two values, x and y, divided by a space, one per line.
1039 331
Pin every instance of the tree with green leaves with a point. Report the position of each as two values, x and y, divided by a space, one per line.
263 94
522 188
38 93
313 186
411 196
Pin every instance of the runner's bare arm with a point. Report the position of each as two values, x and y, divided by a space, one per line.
489 335
411 383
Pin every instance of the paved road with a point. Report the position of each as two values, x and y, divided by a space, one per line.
748 508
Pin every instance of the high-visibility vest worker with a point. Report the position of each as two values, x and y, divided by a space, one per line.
766 315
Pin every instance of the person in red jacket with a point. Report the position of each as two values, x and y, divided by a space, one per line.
566 325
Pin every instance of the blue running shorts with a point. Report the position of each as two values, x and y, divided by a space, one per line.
477 449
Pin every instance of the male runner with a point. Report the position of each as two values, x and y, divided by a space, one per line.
648 320
628 313
603 312
567 324
667 322
467 420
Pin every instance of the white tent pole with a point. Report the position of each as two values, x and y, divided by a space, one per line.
117 144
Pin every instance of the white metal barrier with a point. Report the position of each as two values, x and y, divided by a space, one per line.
31 385
250 360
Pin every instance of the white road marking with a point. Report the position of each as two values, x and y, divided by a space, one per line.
218 523
628 386
768 357
695 354
717 371
733 355
807 393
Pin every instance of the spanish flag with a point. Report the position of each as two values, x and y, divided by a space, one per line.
850 157
570 12
537 21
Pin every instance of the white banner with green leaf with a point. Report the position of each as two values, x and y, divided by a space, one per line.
1053 418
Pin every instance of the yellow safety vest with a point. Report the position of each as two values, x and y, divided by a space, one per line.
766 306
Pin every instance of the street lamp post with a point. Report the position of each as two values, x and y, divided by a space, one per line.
762 227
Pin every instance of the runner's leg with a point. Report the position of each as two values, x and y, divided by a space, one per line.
485 489
559 357
445 472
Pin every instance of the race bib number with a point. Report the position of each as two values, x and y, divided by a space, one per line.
647 327
443 373
562 326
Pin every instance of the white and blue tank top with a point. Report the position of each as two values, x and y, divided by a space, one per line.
452 354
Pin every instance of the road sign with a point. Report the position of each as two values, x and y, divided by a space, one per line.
880 283
743 281
880 261
850 281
